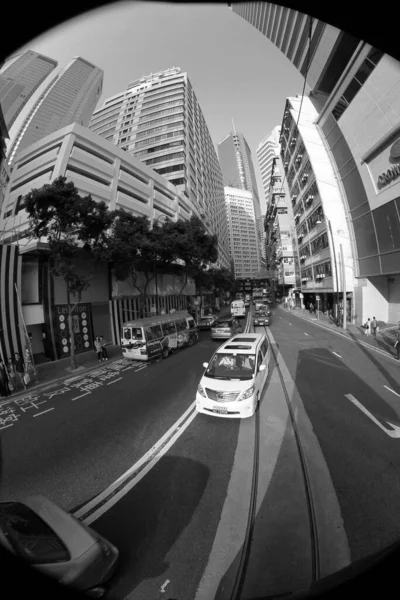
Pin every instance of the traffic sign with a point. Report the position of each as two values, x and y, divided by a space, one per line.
317 298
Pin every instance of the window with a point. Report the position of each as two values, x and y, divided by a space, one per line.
168 328
154 333
181 325
30 537
192 324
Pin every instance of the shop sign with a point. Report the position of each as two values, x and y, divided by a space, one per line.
393 172
81 323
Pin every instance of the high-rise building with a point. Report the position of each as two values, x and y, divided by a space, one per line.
266 153
20 77
70 97
244 243
158 120
292 32
237 165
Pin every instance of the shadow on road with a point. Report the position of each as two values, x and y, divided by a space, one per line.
146 523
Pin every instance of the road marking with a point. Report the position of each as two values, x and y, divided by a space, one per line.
336 354
111 382
305 333
280 317
43 412
140 368
164 585
5 426
100 501
289 323
390 390
394 433
81 396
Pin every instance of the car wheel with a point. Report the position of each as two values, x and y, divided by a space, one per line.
190 342
165 352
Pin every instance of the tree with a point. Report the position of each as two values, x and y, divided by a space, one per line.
75 229
192 245
221 280
135 247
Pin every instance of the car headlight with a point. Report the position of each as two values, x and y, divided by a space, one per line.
247 393
201 391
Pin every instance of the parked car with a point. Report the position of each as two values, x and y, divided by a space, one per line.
206 322
223 329
54 542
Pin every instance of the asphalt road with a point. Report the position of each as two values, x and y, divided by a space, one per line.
72 442
363 459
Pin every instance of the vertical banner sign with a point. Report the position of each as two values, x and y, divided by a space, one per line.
82 325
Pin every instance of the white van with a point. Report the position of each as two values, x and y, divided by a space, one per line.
233 381
238 309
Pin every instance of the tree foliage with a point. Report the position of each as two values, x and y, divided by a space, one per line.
75 229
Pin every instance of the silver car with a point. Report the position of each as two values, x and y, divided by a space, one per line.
54 542
223 329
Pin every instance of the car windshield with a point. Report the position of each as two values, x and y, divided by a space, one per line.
30 537
132 333
231 366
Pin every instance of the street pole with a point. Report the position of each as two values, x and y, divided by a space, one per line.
344 288
318 308
336 268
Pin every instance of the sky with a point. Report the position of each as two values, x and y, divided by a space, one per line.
236 72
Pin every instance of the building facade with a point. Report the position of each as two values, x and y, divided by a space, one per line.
29 295
20 77
319 213
237 166
158 120
70 97
266 152
243 236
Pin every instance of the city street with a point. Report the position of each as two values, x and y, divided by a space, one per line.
123 449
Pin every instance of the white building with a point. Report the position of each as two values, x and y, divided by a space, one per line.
244 245
158 120
70 97
267 150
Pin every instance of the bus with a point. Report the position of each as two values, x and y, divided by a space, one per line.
257 294
238 309
145 339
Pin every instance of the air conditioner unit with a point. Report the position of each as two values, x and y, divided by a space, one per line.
305 177
299 158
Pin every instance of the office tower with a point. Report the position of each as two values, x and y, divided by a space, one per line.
237 165
20 77
331 50
158 120
244 243
70 97
267 150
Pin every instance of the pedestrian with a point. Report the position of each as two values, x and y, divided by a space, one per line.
12 375
103 348
367 327
397 343
4 383
19 371
29 366
311 308
374 326
97 347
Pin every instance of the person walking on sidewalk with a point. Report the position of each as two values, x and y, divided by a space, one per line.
19 371
397 343
311 308
367 327
374 326
103 348
29 366
97 347
4 386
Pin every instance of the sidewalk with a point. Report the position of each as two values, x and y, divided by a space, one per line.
384 339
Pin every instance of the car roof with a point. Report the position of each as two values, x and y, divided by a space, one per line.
242 342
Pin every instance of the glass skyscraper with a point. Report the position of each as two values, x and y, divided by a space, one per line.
70 97
20 77
158 120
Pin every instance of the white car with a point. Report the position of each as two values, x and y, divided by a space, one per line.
233 380
54 542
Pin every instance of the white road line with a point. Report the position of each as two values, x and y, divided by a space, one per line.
140 368
336 354
305 333
43 412
393 433
280 317
390 390
145 458
290 323
81 396
164 585
111 382
5 426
